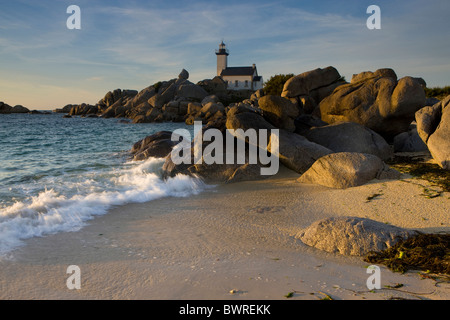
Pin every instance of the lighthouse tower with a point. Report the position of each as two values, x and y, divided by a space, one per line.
222 58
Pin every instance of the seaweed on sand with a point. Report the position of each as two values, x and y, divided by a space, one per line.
422 170
427 252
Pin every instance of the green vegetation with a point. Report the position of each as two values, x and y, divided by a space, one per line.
426 252
289 295
437 92
274 86
157 86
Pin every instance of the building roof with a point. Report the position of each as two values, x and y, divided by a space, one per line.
238 71
257 78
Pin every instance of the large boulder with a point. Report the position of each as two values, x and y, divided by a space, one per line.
112 97
192 91
439 141
305 122
216 86
139 110
19 109
243 117
4 108
376 100
296 152
409 141
212 108
347 169
164 95
352 236
83 110
214 172
184 75
279 111
350 137
157 145
428 119
306 90
143 96
303 84
65 109
211 98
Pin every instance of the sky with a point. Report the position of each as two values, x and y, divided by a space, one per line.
134 44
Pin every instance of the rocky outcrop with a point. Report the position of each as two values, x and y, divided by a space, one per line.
157 145
279 111
113 104
345 170
19 109
428 119
217 172
191 91
211 111
5 109
65 109
352 236
295 151
216 86
376 100
308 89
84 109
245 117
433 126
305 122
298 153
350 137
409 141
163 101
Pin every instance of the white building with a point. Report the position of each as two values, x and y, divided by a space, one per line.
237 78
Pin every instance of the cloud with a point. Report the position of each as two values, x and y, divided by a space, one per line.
135 44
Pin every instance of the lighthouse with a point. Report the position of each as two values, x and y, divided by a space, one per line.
237 78
222 58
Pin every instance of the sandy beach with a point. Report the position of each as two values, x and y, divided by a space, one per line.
237 237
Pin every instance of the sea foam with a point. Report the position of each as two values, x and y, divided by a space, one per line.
66 204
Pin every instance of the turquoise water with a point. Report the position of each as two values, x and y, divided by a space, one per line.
56 173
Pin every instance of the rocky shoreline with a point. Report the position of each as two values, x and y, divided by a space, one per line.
331 132
7 109
318 114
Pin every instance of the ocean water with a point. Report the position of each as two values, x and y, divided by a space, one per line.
56 174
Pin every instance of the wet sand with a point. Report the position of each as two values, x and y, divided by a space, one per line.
233 241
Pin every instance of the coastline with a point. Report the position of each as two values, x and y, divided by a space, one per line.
238 236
